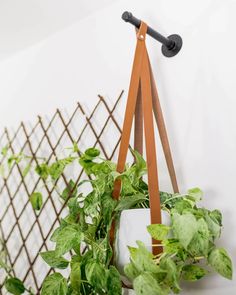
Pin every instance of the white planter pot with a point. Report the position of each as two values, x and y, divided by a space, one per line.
133 227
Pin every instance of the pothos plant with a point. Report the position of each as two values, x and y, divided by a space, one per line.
82 241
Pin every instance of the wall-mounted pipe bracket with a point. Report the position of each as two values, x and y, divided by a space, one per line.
170 45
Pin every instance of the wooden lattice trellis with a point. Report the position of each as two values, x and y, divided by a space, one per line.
25 232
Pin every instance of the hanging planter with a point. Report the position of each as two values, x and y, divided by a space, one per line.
132 227
188 238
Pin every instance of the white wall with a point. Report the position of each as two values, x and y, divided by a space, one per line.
90 54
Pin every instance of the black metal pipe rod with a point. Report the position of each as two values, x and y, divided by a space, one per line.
128 17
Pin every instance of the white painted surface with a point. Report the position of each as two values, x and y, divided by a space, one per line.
55 55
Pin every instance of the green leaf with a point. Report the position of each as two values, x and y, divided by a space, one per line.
127 187
140 164
53 260
133 252
92 152
57 168
36 200
70 191
91 204
221 262
145 284
14 286
75 211
86 164
114 286
54 284
216 216
10 161
171 246
95 274
196 193
107 205
200 212
142 258
184 227
101 250
100 168
14 158
193 272
166 198
182 205
56 232
158 231
200 242
42 170
75 147
213 226
128 202
75 274
66 238
26 170
173 273
131 271
5 150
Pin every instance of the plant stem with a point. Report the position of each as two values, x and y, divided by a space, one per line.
176 197
199 257
166 209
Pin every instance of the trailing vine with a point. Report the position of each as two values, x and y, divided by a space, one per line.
82 241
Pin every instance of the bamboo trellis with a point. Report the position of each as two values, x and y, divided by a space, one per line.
24 232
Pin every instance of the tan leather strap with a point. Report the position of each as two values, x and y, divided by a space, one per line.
138 128
154 195
138 121
131 105
129 114
162 132
138 124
